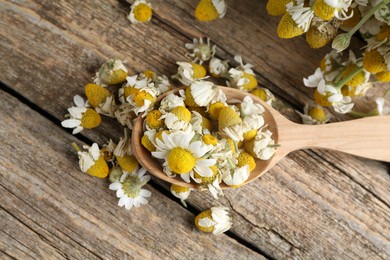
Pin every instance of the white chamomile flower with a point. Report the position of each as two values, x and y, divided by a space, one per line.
262 146
181 193
237 176
92 161
343 105
314 115
201 51
203 92
210 183
182 156
188 72
178 119
140 12
142 99
218 67
242 77
129 189
215 220
80 118
301 15
313 80
209 10
171 101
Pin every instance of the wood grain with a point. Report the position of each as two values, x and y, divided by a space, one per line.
314 204
50 209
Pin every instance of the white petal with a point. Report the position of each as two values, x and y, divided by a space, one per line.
71 123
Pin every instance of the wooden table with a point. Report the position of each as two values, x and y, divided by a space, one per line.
314 204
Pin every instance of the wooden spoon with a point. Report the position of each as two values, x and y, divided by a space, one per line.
366 137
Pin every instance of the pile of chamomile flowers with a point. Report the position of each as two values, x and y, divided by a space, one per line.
193 131
141 11
341 78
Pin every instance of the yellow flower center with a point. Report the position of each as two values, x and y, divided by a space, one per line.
189 101
249 135
318 38
205 11
199 71
245 158
287 27
383 76
96 94
252 83
181 160
323 10
148 144
127 163
99 169
128 91
182 113
210 139
277 7
141 96
204 214
318 114
374 62
117 76
321 100
149 74
383 33
207 180
179 189
260 93
142 12
214 110
90 119
355 81
228 117
153 120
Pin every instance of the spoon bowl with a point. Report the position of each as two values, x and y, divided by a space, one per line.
366 137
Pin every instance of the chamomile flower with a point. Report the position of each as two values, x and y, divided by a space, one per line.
209 10
242 77
230 124
201 51
215 220
171 101
124 154
327 9
377 60
92 161
264 94
188 72
182 156
202 92
252 118
200 124
237 176
314 115
288 28
277 7
101 99
321 32
80 118
178 119
302 16
218 67
110 73
143 99
245 158
262 146
140 12
153 120
343 105
210 183
129 189
125 115
181 193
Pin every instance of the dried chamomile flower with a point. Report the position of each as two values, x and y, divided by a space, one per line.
242 77
148 140
230 124
80 118
377 60
140 12
101 99
200 93
215 220
264 94
321 33
288 28
277 7
182 155
209 10
181 193
210 183
301 15
201 51
314 115
237 176
124 155
178 119
188 72
171 101
92 161
218 68
129 189
245 158
153 120
141 95
327 9
262 146
383 76
125 115
110 73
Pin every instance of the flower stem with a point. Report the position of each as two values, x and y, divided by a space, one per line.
76 147
361 114
350 76
367 16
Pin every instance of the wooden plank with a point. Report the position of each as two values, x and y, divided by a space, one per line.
62 24
52 210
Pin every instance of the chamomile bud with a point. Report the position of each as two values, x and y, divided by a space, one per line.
92 162
140 12
215 220
181 193
277 7
288 28
112 72
80 118
209 10
341 42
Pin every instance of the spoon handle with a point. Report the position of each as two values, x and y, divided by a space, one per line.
367 137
